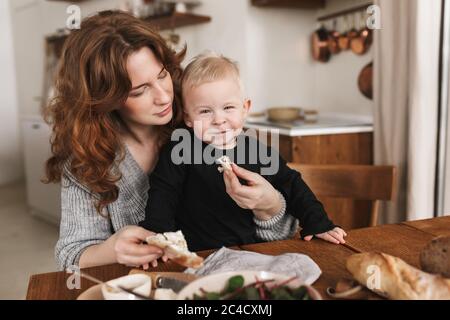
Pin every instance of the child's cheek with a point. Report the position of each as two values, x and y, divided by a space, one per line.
201 131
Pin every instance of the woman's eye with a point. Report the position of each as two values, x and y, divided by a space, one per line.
138 93
135 94
163 74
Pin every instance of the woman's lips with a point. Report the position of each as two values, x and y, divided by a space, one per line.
164 112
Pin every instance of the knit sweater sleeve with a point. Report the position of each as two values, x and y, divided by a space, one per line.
281 226
81 226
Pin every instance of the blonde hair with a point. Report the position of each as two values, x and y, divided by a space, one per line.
207 67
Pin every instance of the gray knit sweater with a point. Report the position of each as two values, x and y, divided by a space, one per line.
81 226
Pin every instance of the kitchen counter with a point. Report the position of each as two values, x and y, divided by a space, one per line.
325 125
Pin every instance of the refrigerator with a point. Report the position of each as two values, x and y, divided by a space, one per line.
44 200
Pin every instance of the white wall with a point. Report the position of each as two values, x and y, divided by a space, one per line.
32 20
10 156
281 70
447 170
272 46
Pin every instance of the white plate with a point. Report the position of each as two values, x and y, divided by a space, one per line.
93 293
217 282
140 283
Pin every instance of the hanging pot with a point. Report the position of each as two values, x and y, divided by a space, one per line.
346 38
319 44
365 81
333 44
333 38
362 42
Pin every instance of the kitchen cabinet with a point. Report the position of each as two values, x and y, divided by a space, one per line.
350 148
301 4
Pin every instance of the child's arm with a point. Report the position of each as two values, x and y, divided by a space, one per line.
335 236
166 182
303 204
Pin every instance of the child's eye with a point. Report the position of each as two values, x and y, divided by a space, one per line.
229 107
204 111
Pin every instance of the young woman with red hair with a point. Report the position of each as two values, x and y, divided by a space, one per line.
116 103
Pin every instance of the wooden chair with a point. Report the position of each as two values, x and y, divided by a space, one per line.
358 182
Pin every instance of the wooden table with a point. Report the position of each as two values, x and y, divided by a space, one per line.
404 240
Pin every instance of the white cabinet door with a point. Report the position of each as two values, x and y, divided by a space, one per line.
44 199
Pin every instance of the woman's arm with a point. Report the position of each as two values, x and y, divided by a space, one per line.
86 238
81 226
99 254
125 246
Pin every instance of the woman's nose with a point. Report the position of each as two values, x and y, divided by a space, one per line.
161 96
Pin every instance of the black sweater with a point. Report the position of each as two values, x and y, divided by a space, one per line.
191 196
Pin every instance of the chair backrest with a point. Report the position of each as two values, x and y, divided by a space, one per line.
359 182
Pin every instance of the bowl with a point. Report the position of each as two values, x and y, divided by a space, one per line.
217 282
284 114
139 283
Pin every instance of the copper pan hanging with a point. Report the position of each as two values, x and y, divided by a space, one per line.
333 39
345 41
365 81
319 45
361 43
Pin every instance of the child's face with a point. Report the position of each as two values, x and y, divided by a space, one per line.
216 111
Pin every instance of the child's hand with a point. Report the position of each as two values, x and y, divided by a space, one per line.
334 236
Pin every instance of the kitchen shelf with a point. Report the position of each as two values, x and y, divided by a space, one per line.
177 20
345 12
299 4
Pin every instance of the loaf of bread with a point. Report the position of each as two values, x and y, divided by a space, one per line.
435 257
395 279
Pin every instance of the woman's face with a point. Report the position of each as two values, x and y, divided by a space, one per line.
150 99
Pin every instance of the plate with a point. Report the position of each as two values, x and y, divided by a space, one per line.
139 283
216 282
93 293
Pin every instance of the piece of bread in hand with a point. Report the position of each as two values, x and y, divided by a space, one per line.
175 248
435 256
224 162
396 279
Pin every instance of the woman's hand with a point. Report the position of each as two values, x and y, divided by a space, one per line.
130 249
258 195
334 236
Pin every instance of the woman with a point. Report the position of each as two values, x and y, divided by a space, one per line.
116 103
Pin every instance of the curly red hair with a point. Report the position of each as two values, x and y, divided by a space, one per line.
91 84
